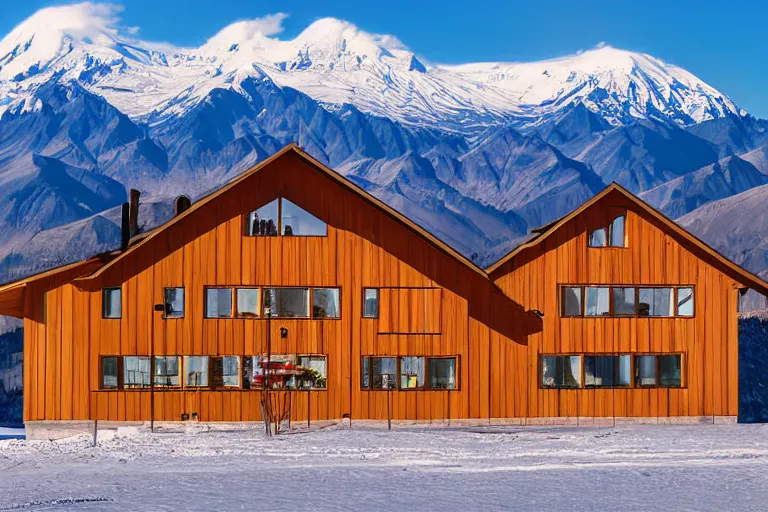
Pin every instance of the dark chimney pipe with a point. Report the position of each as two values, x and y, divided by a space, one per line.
134 213
125 227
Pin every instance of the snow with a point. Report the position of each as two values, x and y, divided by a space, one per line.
626 468
335 62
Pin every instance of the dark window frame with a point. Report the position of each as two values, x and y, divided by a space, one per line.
104 302
312 303
279 222
368 386
378 295
616 369
166 304
637 287
609 234
231 302
540 375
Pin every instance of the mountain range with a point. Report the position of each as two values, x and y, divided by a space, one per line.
477 153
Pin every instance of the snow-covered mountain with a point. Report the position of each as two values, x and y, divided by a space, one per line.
477 153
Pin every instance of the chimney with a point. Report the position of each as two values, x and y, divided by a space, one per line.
181 205
125 235
133 220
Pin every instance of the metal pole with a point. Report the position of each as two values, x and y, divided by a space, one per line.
267 378
152 374
389 414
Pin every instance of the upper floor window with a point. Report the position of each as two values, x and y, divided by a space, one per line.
174 302
287 302
370 303
325 303
282 217
218 302
617 301
112 303
611 236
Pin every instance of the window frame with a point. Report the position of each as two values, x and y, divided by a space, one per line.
634 385
296 359
368 386
378 298
608 229
104 302
279 317
236 310
540 374
179 365
165 315
122 382
231 302
611 309
118 376
279 223
616 366
183 372
312 303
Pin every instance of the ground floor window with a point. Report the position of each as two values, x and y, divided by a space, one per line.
167 371
285 371
109 372
611 370
607 371
561 371
137 371
408 372
196 371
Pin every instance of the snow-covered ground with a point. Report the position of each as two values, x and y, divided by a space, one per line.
495 468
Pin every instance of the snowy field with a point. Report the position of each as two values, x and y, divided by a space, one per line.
624 468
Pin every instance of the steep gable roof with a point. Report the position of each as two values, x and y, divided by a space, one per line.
698 247
339 179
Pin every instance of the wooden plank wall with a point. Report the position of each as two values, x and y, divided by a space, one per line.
709 340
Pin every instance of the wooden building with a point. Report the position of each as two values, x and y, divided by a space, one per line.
294 278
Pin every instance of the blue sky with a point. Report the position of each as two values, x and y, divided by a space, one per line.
724 43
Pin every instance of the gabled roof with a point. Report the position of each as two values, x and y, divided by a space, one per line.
341 180
698 247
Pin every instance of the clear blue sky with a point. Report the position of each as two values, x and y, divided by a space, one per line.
724 43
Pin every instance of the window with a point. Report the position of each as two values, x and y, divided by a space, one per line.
287 302
370 303
296 221
218 302
623 301
607 371
561 371
109 370
196 371
597 302
379 373
598 238
263 222
411 372
571 301
617 232
656 302
325 303
670 370
137 371
645 371
313 374
167 371
685 302
112 303
174 302
442 373
247 302
225 372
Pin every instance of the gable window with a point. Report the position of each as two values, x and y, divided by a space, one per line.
597 303
282 217
247 302
607 371
167 371
218 302
263 221
137 371
174 302
617 238
370 303
561 371
109 372
195 371
685 302
598 238
287 302
325 303
411 372
656 302
112 303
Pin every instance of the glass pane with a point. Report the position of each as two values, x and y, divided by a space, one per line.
108 372
371 303
287 302
623 376
174 302
572 371
112 307
263 222
167 371
572 301
325 303
597 302
598 238
298 222
442 373
645 367
247 302
599 370
685 301
617 231
366 375
137 371
218 302
656 302
623 301
281 372
248 366
313 374
548 369
670 371
230 371
195 371
411 372
383 371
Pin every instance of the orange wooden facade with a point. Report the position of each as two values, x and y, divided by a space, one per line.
432 303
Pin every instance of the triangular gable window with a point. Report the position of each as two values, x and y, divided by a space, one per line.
293 221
